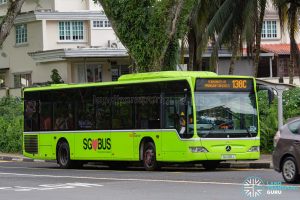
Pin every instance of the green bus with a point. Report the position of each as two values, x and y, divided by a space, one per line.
152 118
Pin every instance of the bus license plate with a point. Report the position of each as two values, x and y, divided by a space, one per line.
228 156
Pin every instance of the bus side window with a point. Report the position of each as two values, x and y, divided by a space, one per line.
147 105
57 110
31 111
31 116
122 108
84 109
102 104
172 110
45 116
171 116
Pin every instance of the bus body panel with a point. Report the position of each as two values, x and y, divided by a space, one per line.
218 149
169 147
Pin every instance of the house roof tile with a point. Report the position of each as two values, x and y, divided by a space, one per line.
277 49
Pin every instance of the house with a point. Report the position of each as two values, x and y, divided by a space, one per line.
277 43
73 36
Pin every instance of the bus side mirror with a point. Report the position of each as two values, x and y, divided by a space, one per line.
269 90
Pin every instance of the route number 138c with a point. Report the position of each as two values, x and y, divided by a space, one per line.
239 84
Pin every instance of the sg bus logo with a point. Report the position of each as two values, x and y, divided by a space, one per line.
97 144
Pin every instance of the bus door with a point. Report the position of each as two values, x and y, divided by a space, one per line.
178 118
122 123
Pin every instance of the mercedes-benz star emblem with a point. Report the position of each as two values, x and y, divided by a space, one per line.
228 148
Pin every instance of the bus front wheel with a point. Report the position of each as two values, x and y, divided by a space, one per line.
149 157
63 155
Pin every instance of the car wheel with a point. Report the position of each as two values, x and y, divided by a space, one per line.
149 157
290 170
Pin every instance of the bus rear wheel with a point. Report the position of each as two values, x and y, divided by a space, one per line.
149 157
63 155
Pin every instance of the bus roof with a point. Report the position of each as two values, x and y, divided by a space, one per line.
136 78
165 74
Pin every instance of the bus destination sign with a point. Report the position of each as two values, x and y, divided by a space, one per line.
229 84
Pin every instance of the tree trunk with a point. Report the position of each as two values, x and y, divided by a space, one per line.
182 50
191 39
214 56
199 54
234 48
293 53
14 8
174 17
258 35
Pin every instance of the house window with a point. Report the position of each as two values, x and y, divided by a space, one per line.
3 2
71 30
269 30
22 80
2 79
21 34
118 70
89 73
101 24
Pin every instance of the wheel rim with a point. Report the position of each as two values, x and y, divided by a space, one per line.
149 157
289 170
63 156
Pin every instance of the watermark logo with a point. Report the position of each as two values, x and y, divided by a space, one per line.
253 187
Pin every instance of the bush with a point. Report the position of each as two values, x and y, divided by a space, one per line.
291 103
11 124
269 115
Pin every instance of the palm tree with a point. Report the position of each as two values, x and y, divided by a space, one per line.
261 8
232 23
239 22
288 11
197 37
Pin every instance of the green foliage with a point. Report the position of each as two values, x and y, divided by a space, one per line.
269 115
145 28
55 77
11 124
268 121
291 103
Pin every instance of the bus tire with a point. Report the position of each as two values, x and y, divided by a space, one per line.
63 155
149 157
210 165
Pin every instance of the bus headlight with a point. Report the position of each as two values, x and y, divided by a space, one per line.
198 150
254 149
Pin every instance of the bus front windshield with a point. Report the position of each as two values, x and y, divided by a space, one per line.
226 114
